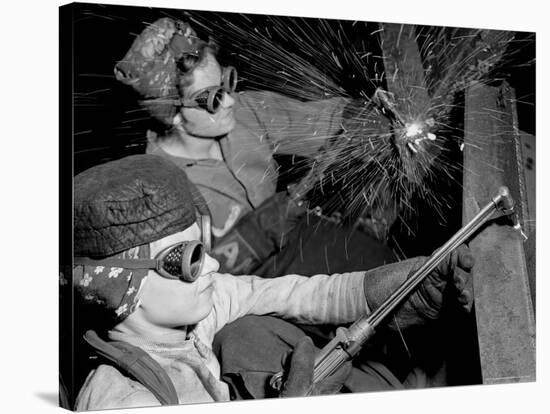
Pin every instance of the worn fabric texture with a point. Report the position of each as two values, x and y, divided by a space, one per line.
127 203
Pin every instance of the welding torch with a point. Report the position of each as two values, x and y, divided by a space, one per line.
348 341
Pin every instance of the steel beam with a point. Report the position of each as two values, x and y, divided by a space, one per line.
503 304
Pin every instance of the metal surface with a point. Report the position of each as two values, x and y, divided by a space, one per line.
503 304
404 70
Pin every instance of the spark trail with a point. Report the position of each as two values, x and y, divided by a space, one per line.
377 171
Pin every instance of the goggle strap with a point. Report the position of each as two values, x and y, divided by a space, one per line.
132 264
176 101
206 231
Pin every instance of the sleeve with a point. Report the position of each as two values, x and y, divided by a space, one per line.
292 126
332 299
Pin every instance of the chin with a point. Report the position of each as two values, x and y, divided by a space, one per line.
225 127
207 302
214 132
226 123
216 128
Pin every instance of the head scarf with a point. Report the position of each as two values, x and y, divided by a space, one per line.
150 65
113 290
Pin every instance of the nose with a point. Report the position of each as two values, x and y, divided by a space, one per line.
228 100
210 265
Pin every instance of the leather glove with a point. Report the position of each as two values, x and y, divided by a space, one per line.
299 377
424 304
452 274
258 235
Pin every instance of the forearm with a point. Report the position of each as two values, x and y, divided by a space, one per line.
293 126
320 299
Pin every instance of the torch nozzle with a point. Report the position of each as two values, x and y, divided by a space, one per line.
504 200
505 203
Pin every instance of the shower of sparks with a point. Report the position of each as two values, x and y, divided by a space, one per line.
378 162
376 170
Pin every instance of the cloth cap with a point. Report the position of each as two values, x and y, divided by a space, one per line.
150 65
129 202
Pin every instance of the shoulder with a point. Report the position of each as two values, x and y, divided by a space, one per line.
106 388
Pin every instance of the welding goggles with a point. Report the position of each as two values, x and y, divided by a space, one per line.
211 98
182 261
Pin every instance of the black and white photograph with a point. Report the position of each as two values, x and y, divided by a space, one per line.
280 206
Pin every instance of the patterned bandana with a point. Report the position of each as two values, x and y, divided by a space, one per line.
150 65
112 289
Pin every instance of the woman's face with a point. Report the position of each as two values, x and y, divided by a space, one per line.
173 303
199 122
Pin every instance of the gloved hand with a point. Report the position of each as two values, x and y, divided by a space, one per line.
258 235
299 377
456 269
426 301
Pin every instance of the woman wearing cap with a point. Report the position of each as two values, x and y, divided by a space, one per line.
140 262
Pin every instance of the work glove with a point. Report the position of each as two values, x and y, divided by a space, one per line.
451 275
449 280
298 378
258 235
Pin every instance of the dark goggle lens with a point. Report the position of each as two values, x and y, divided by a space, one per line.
215 100
184 261
210 100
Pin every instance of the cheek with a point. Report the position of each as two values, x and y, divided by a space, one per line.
194 118
173 303
199 122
